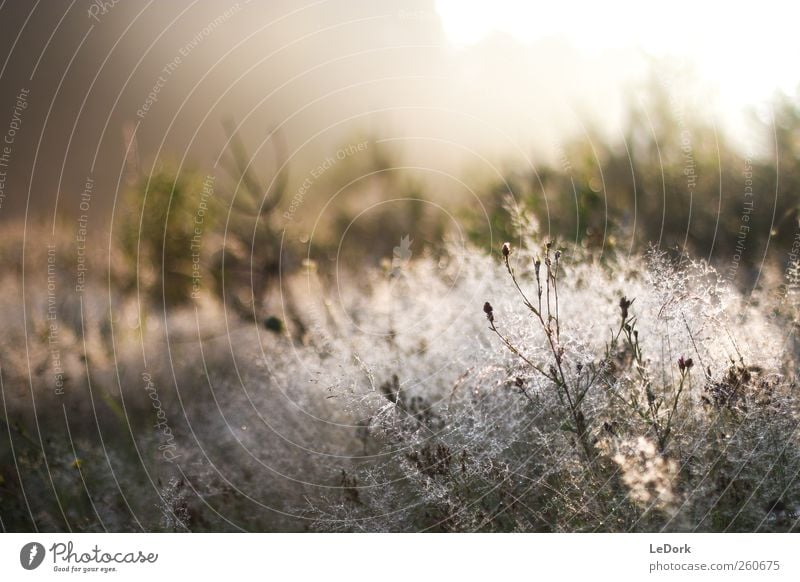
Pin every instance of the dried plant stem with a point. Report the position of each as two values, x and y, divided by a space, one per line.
557 374
668 429
519 354
555 293
662 430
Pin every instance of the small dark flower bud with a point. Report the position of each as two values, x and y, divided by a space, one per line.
558 255
682 364
488 310
624 305
549 244
506 249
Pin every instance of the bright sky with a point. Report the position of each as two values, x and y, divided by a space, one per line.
746 49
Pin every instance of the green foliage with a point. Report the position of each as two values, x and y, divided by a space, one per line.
673 179
164 223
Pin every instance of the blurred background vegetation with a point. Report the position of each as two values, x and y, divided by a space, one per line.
672 181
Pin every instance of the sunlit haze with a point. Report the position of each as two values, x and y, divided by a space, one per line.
746 51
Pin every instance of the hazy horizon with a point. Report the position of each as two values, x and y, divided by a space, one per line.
448 93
